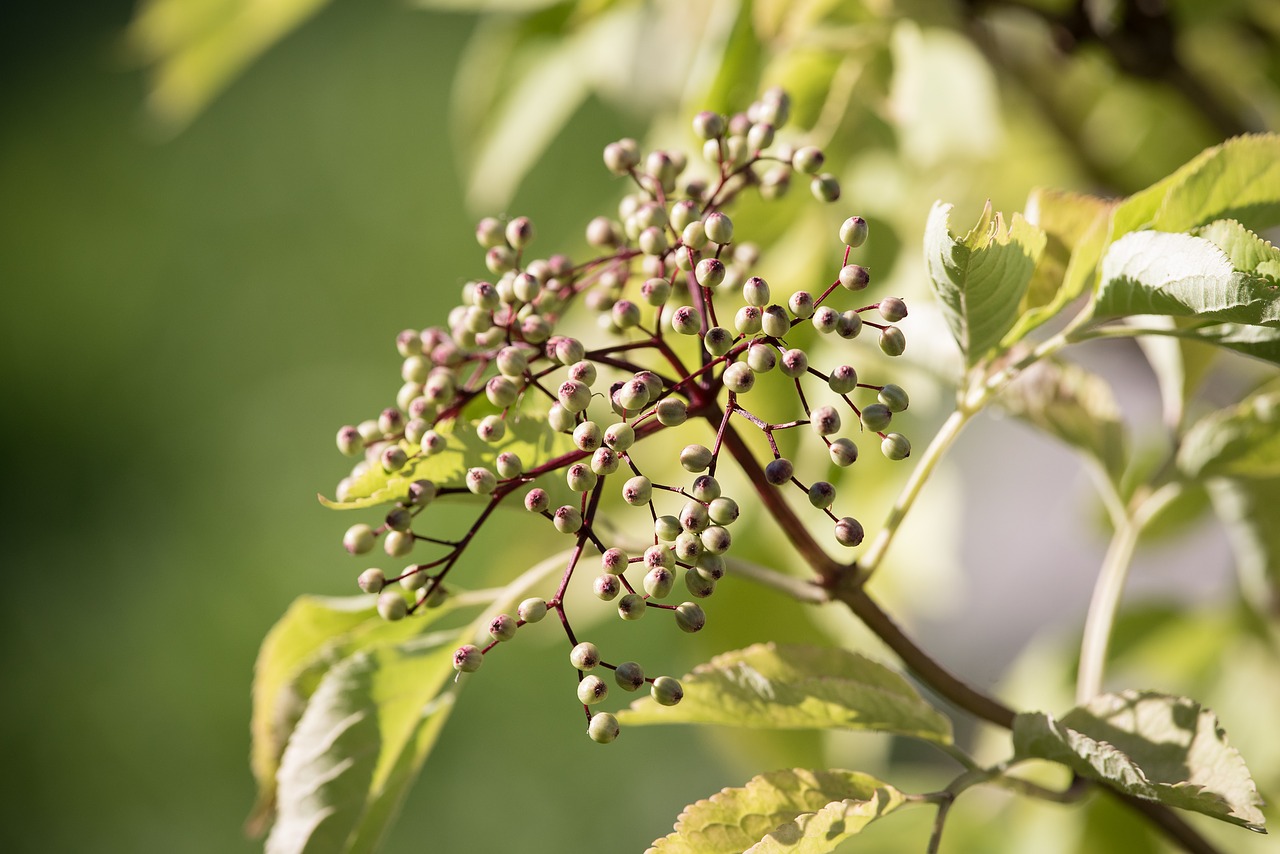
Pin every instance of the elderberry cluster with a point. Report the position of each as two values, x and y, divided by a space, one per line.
685 331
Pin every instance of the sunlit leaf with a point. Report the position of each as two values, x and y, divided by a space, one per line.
781 686
196 49
798 811
1074 405
1243 441
1178 275
531 438
1247 508
1151 746
980 278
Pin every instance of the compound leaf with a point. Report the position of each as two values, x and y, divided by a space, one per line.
1151 746
781 686
797 811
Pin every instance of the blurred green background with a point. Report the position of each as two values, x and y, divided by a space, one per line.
188 318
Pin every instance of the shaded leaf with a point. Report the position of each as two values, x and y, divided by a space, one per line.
1247 508
1179 362
1178 275
1074 405
795 811
198 48
1243 441
980 278
527 436
359 743
780 686
1151 746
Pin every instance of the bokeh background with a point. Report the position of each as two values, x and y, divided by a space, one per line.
191 309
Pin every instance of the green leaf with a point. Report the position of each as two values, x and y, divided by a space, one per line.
980 278
1179 362
313 635
1240 442
1247 251
1151 746
1075 227
781 686
1178 275
198 48
359 744
1239 179
529 437
798 811
1074 405
1247 509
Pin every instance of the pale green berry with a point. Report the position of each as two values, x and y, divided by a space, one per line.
667 691
666 528
583 371
826 320
407 394
775 321
372 580
603 233
434 599
688 546
853 231
409 343
629 676
485 296
536 500
585 656
391 606
490 233
509 465
393 459
876 417
491 429
603 728
606 586
794 363
719 228
694 516
569 350
709 272
747 320
631 606
685 321
622 156
567 519
397 543
801 304
658 582
690 617
760 136
822 494
481 481
656 291
526 288
433 443
843 379
620 436
755 291
825 187
849 532
672 412
710 566
633 396
350 442
659 556
849 325
695 458
358 539
694 235
705 488
779 471
761 358
739 378
414 579
698 584
637 490
574 396
503 627
499 260
723 511
892 341
415 369
825 420
614 560
716 539
421 492
854 277
368 430
591 690
683 212
532 610
604 461
587 436
653 241
467 658
560 419
391 420
893 309
807 160
895 446
415 430
580 478
708 125
894 398
717 341
843 452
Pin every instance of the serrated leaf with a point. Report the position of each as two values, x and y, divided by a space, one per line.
315 634
980 278
359 743
1075 227
1073 405
197 49
1240 442
783 686
1151 746
1178 275
531 438
1248 252
799 811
